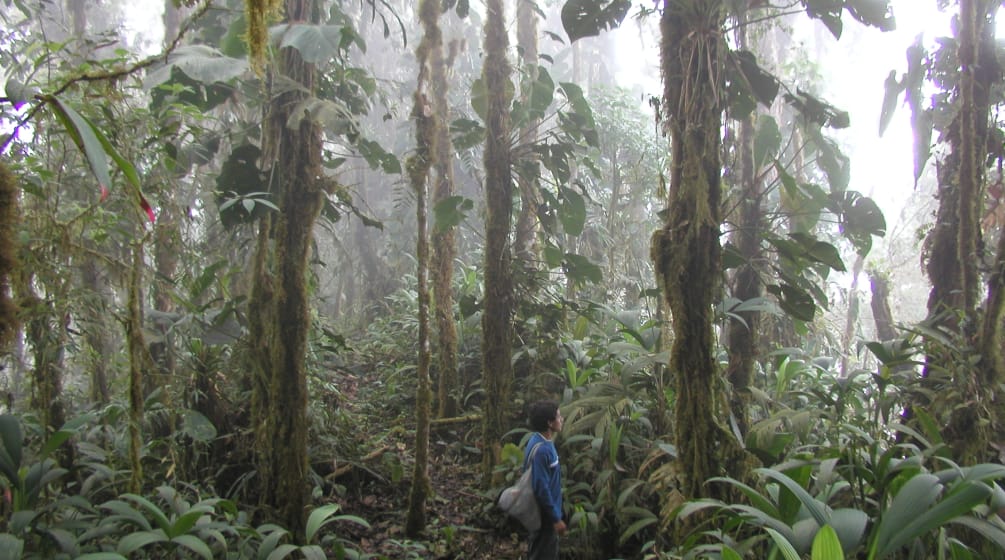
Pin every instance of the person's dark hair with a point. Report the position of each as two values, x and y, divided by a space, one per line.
541 413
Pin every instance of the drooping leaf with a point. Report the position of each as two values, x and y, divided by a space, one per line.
762 84
572 212
200 63
579 122
828 12
877 13
377 156
794 301
892 88
581 270
587 18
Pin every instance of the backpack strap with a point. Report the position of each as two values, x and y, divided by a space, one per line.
533 450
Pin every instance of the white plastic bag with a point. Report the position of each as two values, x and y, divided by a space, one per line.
519 501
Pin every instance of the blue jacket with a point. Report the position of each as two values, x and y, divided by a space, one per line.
546 477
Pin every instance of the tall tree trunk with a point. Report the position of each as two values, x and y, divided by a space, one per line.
96 331
280 291
957 238
444 241
8 256
686 250
525 237
427 124
497 371
139 363
743 335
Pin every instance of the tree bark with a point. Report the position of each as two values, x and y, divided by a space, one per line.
280 291
444 238
426 125
686 250
497 370
880 305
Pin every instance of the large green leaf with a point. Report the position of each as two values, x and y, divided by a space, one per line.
794 301
826 545
194 544
783 544
135 541
199 62
11 439
317 44
579 122
587 18
197 426
572 211
959 502
11 547
451 211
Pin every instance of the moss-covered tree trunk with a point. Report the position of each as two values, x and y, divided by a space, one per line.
8 256
956 239
444 238
497 371
139 364
280 306
686 250
743 334
426 124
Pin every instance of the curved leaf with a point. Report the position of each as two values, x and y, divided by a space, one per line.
826 545
194 544
587 18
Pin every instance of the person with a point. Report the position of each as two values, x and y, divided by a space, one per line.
546 479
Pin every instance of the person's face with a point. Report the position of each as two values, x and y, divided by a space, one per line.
555 424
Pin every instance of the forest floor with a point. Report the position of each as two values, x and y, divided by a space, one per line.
462 522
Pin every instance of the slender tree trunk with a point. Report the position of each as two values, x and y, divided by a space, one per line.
880 305
444 242
281 290
497 370
427 124
96 332
851 319
525 237
139 363
743 335
686 251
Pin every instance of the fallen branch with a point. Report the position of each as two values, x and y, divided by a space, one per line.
344 469
456 420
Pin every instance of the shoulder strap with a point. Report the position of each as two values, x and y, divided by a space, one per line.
530 459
